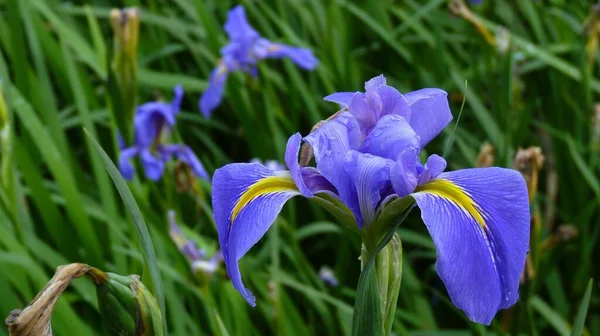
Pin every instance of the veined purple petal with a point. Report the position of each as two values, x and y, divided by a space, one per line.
434 166
125 165
153 167
342 98
213 95
237 26
430 112
247 197
330 143
403 173
375 83
303 58
479 222
391 136
185 155
370 176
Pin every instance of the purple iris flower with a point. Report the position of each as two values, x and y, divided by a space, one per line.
245 49
368 155
152 122
197 257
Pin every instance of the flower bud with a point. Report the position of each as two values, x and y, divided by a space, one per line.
127 306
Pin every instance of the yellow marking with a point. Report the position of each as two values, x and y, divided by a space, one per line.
268 185
454 193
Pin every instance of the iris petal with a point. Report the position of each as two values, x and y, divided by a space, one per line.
246 198
330 143
213 95
291 160
403 173
149 120
479 222
391 136
153 167
125 165
430 112
342 98
187 156
370 175
237 26
303 58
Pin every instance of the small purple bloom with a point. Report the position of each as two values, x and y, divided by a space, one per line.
151 122
369 154
326 274
245 49
197 256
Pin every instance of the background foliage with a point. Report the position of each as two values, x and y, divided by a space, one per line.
531 82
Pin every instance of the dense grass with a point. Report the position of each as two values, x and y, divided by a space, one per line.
58 204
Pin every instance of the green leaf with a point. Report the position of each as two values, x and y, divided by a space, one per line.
147 247
583 308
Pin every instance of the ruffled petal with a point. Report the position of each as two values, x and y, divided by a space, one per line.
375 82
479 222
330 143
430 112
391 136
434 166
342 98
237 26
246 198
213 95
403 173
125 165
370 176
153 167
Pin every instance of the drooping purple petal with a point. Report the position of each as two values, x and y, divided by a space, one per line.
303 58
125 165
330 143
153 167
213 95
479 264
370 176
391 136
342 98
403 173
430 113
237 26
185 155
246 198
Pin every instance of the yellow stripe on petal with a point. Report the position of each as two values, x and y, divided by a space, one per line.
454 193
267 185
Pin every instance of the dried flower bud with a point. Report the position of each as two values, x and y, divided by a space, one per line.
529 162
486 156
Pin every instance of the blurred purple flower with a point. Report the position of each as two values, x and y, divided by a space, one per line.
245 49
196 256
326 274
151 122
368 155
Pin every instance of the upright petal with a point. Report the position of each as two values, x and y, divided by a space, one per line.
213 95
291 160
247 197
434 166
342 98
187 156
330 143
403 172
237 26
177 98
370 176
125 165
430 112
149 120
479 222
391 136
303 58
375 82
